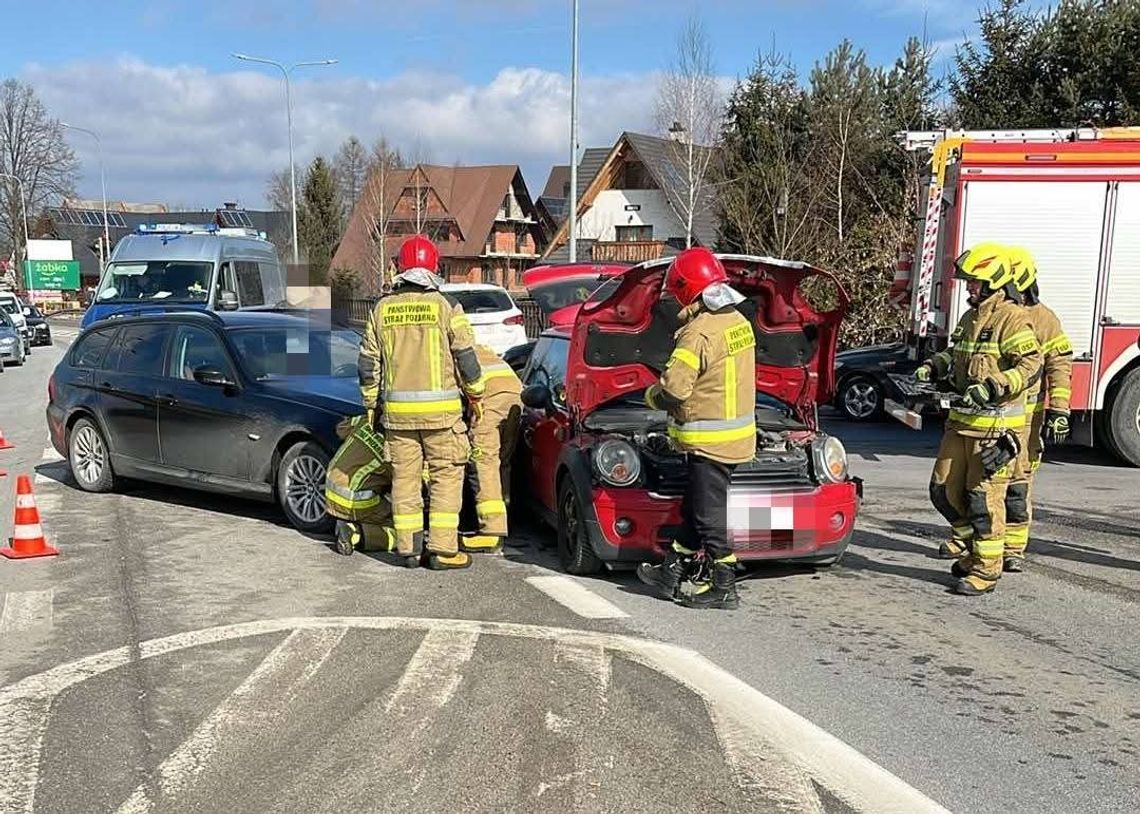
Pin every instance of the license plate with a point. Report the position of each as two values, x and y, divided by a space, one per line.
757 510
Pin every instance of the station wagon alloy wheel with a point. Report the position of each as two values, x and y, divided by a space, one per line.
305 488
88 457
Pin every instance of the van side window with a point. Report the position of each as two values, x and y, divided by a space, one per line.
271 282
249 288
226 279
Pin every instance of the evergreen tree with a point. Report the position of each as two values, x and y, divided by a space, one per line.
319 219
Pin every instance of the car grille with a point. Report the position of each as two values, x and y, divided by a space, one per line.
783 471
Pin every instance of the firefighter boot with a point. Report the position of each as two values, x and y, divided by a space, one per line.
984 568
959 543
348 537
720 590
482 543
667 576
449 562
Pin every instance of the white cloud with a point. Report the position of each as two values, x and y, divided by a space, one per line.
184 136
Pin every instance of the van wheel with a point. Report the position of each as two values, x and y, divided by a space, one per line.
301 488
89 457
574 550
1124 420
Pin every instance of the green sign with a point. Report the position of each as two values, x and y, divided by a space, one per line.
52 275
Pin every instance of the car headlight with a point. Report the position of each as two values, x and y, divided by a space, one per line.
8 341
830 459
617 462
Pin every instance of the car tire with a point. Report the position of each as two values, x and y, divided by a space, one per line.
574 549
1123 423
300 484
89 457
861 399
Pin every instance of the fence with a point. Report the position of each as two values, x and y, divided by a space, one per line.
354 312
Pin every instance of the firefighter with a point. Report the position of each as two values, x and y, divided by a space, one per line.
709 390
993 359
1047 404
357 489
416 361
492 437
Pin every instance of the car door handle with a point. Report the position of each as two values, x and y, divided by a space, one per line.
166 400
110 388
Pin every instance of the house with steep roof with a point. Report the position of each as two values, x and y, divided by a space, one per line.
482 219
632 203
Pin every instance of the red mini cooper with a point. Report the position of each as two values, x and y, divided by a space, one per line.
599 464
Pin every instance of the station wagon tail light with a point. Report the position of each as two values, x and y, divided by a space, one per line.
617 462
51 389
515 320
830 459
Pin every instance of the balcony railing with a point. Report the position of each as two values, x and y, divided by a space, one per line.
627 251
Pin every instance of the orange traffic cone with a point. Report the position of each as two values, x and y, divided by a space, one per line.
5 443
28 538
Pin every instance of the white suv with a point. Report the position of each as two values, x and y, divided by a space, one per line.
496 320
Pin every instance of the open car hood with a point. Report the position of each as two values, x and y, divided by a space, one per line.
560 291
620 345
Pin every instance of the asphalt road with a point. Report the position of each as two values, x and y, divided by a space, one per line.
191 653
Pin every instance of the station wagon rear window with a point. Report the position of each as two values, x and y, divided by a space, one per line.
483 302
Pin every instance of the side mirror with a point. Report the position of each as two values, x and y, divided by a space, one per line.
227 300
537 397
212 377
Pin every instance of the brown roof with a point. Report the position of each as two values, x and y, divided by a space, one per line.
471 195
556 182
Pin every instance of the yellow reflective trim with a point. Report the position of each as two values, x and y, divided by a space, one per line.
989 548
711 436
435 353
489 507
739 337
443 520
1017 534
728 559
988 422
729 388
408 522
1060 393
969 346
352 505
1035 465
685 357
1015 380
459 322
497 374
1059 344
1025 337
421 407
395 314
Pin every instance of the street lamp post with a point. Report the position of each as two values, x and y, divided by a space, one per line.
574 137
103 185
286 71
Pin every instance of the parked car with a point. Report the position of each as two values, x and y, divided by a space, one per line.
11 342
496 320
183 266
38 324
245 403
599 464
864 381
11 304
559 291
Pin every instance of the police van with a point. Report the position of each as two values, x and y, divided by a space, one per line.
187 266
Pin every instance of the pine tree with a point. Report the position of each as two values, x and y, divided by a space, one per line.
319 219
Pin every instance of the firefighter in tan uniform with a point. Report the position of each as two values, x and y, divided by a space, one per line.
993 359
358 489
709 390
493 434
417 360
1047 403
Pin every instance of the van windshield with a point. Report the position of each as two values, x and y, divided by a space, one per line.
156 281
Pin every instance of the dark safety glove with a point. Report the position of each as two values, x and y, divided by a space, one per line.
978 396
1056 427
998 455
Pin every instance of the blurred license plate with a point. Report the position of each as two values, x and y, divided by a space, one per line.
752 509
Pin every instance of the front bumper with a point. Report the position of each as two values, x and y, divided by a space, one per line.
10 354
803 524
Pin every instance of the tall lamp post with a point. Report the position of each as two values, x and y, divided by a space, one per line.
574 137
103 185
286 71
24 210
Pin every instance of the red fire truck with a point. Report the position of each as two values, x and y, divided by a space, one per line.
1072 197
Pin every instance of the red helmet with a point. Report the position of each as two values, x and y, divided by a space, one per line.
418 252
691 272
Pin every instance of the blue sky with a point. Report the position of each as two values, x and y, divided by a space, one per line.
456 80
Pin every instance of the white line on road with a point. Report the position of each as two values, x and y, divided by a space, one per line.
578 598
50 455
433 674
264 697
24 610
856 780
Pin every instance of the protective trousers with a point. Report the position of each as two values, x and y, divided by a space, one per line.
358 482
1018 498
704 507
444 452
488 473
962 493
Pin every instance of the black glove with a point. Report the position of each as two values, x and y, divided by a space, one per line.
1000 453
978 396
1056 427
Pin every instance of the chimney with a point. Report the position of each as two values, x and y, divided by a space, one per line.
231 205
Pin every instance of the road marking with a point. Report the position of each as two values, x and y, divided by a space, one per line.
433 674
24 610
264 697
578 598
853 778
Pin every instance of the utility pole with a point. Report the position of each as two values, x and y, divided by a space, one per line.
574 137
286 71
106 250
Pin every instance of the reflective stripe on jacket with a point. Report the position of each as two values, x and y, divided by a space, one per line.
1055 387
503 387
416 357
709 386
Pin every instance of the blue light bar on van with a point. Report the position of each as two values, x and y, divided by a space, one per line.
175 228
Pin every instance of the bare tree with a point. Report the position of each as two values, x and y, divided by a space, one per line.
350 168
33 149
379 201
690 108
278 192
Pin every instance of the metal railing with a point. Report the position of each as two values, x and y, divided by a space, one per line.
627 251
